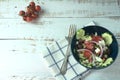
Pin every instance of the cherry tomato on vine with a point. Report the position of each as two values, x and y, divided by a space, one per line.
22 13
31 12
29 19
32 4
37 8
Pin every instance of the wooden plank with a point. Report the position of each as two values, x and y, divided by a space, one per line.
49 28
23 67
63 8
17 47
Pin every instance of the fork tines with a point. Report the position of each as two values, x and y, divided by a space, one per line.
72 30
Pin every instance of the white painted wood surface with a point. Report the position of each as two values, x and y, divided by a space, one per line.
22 43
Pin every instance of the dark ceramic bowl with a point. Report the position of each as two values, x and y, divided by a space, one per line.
91 30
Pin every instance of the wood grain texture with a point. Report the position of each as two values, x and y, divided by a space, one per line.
64 8
27 40
45 28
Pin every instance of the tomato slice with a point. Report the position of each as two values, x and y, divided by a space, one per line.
87 54
89 45
96 38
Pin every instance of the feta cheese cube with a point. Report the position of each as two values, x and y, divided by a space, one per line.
97 50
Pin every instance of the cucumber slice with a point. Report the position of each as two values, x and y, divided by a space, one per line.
107 62
80 33
108 38
87 38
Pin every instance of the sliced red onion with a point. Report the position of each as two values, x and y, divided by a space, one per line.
101 52
93 55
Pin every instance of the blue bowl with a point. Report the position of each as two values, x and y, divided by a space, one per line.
92 30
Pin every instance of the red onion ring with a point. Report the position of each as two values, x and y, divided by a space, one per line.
101 52
93 56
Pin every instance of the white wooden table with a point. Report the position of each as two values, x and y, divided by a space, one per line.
22 43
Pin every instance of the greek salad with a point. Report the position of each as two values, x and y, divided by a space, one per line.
93 49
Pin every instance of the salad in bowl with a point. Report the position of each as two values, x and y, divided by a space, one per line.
94 47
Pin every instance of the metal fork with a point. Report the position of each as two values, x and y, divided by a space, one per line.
72 31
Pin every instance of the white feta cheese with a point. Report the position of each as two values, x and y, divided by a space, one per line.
97 50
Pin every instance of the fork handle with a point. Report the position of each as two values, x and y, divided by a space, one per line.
65 62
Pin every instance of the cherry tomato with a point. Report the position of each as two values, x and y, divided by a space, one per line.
87 54
37 8
29 19
22 13
31 12
24 18
32 4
